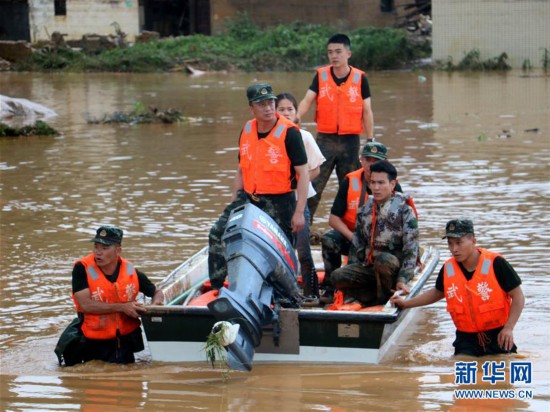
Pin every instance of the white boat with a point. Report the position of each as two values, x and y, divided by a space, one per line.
177 331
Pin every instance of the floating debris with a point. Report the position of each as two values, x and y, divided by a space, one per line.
22 112
39 128
139 115
505 134
428 126
222 333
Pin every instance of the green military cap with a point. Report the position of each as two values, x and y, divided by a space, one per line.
108 235
458 228
260 92
376 150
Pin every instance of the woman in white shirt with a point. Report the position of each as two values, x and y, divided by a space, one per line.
287 107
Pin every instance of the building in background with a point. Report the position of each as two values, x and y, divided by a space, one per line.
34 20
519 28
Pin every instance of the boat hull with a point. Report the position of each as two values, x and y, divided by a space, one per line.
177 333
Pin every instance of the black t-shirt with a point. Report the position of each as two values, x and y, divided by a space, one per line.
365 89
80 280
506 276
340 204
294 145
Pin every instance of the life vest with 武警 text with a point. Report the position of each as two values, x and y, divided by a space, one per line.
265 164
125 289
478 304
339 108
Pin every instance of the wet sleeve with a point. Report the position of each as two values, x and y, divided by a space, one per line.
145 285
365 88
295 147
410 245
439 280
314 86
506 276
358 251
79 278
340 203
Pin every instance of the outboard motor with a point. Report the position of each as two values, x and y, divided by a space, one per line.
261 265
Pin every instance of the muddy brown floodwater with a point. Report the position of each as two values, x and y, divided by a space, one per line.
461 146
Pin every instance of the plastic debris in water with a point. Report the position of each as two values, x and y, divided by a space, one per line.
428 126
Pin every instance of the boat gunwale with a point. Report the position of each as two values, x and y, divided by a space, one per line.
387 315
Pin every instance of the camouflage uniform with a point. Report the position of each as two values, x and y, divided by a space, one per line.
279 207
395 251
333 246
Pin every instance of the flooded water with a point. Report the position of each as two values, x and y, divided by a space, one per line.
463 144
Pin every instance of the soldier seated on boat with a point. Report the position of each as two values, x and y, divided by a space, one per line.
482 290
384 248
352 194
105 287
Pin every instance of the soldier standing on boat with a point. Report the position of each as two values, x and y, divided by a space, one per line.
272 164
384 250
482 290
343 111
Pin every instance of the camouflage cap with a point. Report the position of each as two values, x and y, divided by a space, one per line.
376 150
108 235
458 228
260 92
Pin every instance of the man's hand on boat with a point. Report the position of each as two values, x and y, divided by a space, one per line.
398 301
132 309
401 289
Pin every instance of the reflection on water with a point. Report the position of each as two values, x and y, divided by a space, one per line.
463 144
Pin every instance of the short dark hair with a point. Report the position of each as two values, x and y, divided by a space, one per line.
340 39
287 96
383 166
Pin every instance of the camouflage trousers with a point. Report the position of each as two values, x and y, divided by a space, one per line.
341 152
279 207
371 285
333 246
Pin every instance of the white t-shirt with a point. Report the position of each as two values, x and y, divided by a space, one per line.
314 156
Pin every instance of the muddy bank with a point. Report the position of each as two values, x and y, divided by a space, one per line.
244 48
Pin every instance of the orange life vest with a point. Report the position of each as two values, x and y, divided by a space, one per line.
354 195
339 108
264 162
478 304
125 289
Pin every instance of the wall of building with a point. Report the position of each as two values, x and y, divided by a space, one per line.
340 14
83 17
520 28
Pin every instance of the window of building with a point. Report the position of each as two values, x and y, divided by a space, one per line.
60 7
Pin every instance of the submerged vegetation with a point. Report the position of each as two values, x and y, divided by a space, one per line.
140 114
244 47
39 128
472 61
